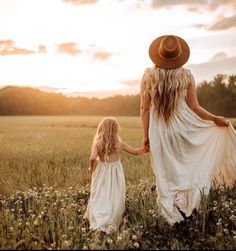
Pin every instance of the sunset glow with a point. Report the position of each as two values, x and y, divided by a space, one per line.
100 47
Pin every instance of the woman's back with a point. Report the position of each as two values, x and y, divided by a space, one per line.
167 89
186 151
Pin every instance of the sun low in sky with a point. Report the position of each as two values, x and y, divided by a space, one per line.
100 47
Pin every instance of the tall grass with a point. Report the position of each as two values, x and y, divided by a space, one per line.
44 188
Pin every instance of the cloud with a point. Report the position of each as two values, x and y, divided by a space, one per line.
193 5
219 64
103 55
6 43
7 47
224 24
48 88
42 48
219 56
78 2
132 82
68 48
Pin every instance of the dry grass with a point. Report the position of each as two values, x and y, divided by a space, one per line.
44 188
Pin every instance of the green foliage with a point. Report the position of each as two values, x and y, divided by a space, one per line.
217 96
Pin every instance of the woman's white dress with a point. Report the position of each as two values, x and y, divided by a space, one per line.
107 198
186 157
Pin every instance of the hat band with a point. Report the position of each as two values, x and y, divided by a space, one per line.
171 58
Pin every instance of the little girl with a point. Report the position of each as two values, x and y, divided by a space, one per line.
107 198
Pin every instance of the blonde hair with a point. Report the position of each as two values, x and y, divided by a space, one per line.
165 87
107 136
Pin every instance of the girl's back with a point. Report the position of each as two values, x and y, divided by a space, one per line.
113 156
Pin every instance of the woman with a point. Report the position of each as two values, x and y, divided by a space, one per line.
189 146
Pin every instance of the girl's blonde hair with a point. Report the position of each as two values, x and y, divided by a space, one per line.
107 136
165 87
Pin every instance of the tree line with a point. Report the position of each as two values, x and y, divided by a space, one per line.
217 96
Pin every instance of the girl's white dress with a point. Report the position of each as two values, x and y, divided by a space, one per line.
107 198
187 157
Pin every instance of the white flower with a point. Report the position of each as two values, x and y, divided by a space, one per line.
119 238
110 241
134 237
136 245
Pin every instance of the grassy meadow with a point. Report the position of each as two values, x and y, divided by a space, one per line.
44 189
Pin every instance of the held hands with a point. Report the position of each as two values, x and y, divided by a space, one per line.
221 121
144 150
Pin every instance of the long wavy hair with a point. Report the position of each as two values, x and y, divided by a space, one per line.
107 136
165 87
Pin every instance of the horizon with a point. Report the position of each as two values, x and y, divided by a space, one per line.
99 48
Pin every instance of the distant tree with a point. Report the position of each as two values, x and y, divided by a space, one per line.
217 96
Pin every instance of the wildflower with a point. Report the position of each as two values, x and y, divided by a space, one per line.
110 241
11 229
226 231
83 229
119 238
136 245
65 244
134 237
85 248
64 236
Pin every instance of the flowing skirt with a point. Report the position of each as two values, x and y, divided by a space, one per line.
187 156
107 198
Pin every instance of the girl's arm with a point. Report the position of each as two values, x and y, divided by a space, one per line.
93 158
145 111
192 102
135 151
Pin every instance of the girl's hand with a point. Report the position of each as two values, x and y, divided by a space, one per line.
221 121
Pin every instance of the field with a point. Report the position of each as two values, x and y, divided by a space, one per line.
44 189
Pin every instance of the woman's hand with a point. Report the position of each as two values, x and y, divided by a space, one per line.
90 169
146 142
221 121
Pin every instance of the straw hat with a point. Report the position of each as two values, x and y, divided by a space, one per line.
169 52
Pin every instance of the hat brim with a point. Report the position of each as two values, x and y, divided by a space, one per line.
168 63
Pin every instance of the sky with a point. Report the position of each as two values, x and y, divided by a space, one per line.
100 47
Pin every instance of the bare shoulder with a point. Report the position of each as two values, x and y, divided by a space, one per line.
121 144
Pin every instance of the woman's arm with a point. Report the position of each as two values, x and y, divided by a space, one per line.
192 102
145 111
135 151
93 158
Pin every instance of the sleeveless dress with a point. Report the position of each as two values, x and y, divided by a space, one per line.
107 197
187 157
